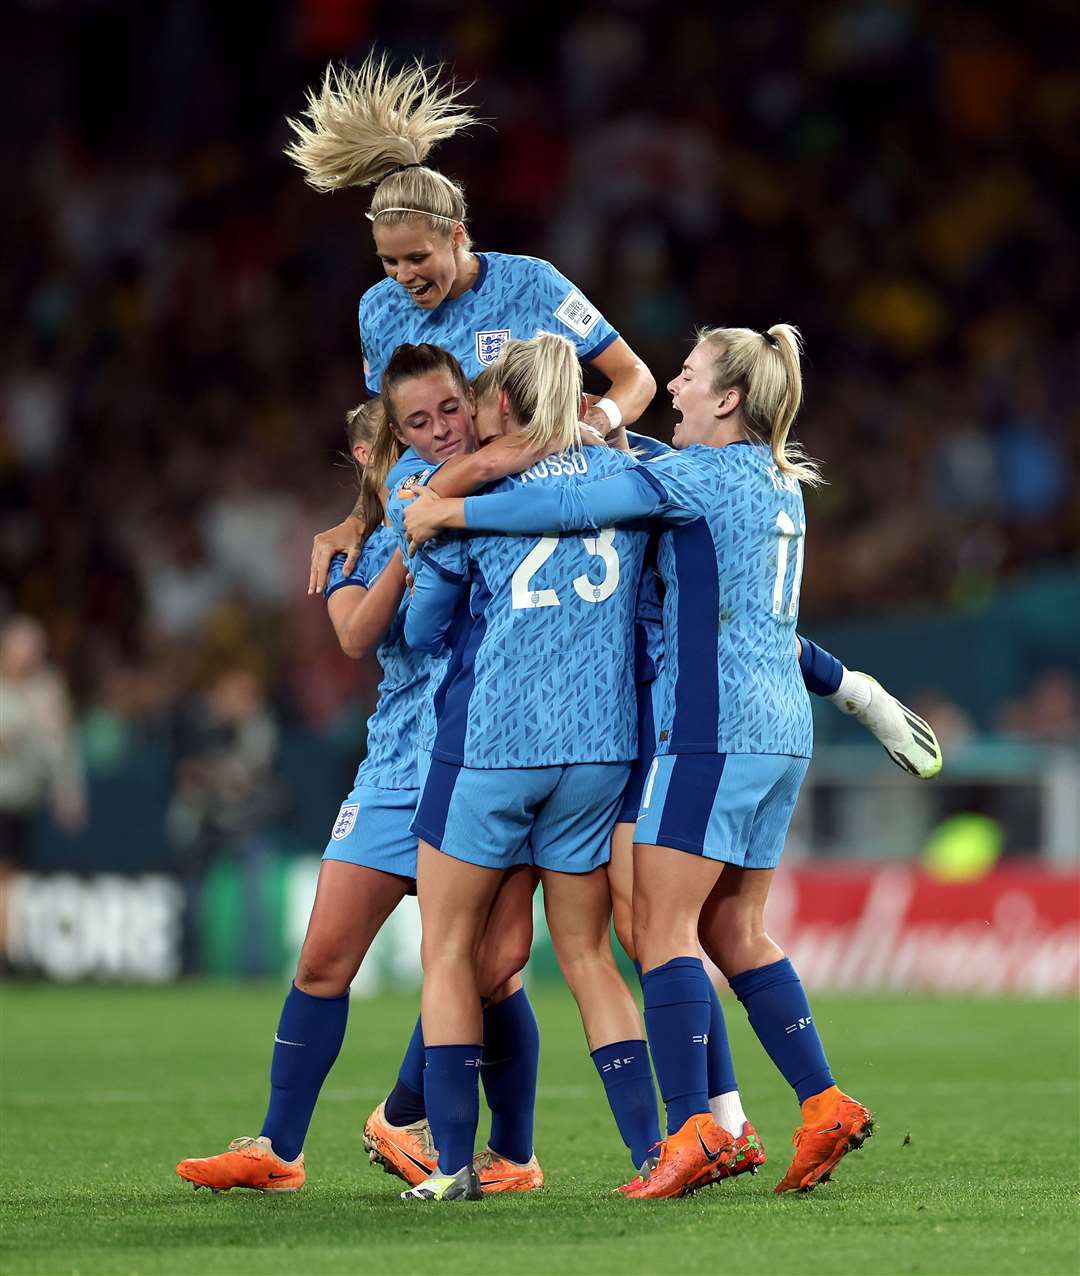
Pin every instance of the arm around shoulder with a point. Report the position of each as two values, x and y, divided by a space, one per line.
436 594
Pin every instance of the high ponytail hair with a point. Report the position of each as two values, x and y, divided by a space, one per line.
766 367
376 127
542 380
367 424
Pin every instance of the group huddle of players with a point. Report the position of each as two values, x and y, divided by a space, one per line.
591 681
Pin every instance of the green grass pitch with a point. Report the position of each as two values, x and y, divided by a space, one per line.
973 1167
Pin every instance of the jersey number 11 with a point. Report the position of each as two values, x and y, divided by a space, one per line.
785 526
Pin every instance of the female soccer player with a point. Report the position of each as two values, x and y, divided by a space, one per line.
734 732
531 750
372 127
370 864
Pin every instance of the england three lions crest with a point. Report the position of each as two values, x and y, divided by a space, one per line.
345 821
489 345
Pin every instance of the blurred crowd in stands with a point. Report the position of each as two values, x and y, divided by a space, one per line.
180 310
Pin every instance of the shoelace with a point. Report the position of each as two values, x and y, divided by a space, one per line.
245 1141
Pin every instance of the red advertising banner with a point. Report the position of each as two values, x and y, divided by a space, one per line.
1016 930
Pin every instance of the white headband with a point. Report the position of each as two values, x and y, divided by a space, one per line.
420 212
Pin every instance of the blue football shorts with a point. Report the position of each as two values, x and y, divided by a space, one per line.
635 785
372 829
554 817
734 807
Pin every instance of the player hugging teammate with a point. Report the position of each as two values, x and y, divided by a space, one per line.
556 708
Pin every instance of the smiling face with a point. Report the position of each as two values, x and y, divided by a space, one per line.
701 408
425 263
433 416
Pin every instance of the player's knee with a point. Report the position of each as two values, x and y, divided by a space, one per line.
586 967
450 949
324 974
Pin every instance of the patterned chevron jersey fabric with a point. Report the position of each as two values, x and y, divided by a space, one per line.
545 673
730 680
413 469
390 762
512 297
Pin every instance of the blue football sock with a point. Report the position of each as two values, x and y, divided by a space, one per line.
452 1095
779 1013
721 1066
405 1102
821 670
511 1060
677 1012
308 1038
627 1077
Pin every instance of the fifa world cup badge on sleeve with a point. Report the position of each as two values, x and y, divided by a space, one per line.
577 314
343 825
489 345
412 484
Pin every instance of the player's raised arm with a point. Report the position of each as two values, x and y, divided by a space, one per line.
632 389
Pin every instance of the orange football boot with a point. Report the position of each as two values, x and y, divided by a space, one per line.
833 1125
497 1174
248 1163
690 1158
748 1152
405 1150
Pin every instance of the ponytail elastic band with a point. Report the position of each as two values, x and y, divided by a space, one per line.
401 168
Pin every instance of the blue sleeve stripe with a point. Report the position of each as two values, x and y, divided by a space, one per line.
440 570
340 584
612 336
642 472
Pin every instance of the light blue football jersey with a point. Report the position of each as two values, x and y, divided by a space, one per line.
730 559
730 681
512 297
390 762
408 464
544 675
433 665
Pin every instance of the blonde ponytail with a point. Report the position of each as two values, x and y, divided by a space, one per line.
375 127
368 424
766 368
542 380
